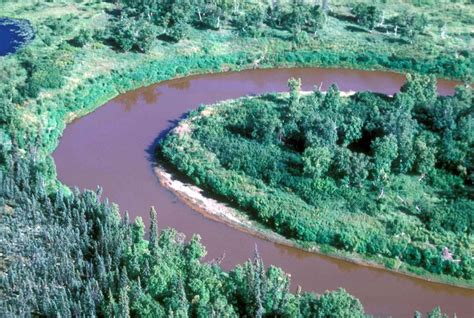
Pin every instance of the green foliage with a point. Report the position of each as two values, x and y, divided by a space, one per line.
422 89
339 304
44 71
385 151
249 23
304 17
76 256
84 37
360 173
367 15
78 252
410 25
210 15
316 161
130 33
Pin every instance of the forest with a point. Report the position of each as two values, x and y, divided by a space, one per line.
73 255
64 252
387 177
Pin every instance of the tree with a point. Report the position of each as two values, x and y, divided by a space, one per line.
8 110
359 168
138 230
437 313
321 132
249 22
316 161
296 19
339 304
258 284
177 303
147 34
352 128
316 19
209 15
410 25
304 17
275 14
400 123
123 305
154 238
422 88
295 89
129 33
367 15
325 6
332 100
194 251
385 151
84 37
111 306
124 33
263 122
425 151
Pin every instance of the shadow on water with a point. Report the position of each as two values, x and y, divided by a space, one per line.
151 149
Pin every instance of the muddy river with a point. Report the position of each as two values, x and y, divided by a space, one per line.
111 148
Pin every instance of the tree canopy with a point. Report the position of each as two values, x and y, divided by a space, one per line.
369 173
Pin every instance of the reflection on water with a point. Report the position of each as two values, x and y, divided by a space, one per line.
150 96
111 148
180 84
133 98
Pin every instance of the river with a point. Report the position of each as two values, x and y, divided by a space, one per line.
111 148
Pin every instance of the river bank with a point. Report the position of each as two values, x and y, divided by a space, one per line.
215 209
195 198
118 155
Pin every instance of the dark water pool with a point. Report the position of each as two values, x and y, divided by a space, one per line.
13 34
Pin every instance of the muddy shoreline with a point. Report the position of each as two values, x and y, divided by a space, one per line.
211 208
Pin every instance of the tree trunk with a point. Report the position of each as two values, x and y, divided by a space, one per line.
325 6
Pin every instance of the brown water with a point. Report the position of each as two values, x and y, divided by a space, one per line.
110 148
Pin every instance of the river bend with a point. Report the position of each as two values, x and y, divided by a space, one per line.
110 148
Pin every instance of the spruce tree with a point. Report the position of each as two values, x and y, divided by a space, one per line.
153 245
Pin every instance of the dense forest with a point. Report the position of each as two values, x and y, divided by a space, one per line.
69 253
388 177
72 255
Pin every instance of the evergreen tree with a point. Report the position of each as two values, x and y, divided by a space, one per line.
153 245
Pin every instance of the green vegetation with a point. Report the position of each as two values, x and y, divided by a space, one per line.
71 255
388 177
81 258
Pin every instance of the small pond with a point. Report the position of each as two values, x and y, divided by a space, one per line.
14 34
